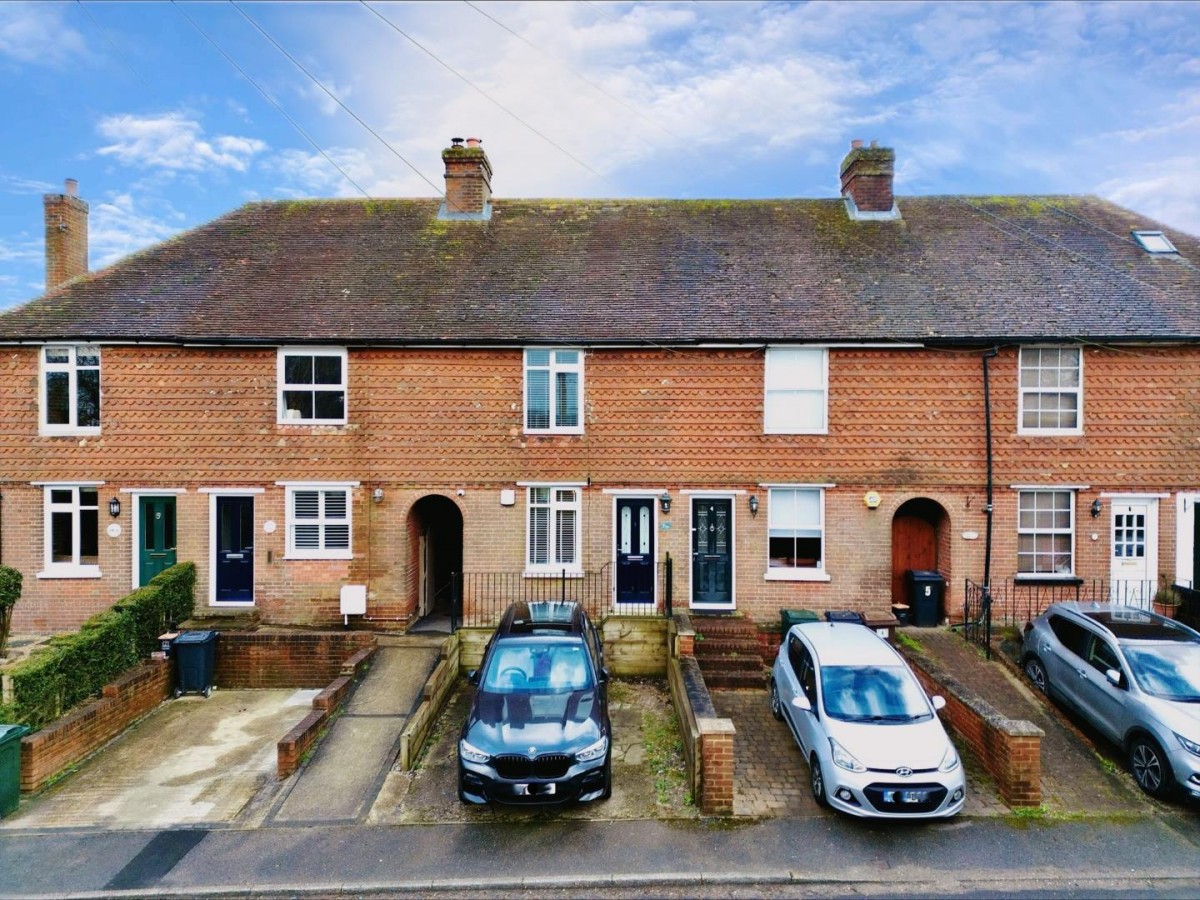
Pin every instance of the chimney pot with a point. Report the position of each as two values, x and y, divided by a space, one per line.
72 187
456 142
473 142
874 143
854 145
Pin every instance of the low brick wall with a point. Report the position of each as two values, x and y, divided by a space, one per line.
708 740
433 698
1010 750
293 745
295 659
75 736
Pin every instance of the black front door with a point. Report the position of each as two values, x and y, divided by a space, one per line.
235 550
635 551
712 551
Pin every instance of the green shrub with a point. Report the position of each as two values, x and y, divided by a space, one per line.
74 667
10 593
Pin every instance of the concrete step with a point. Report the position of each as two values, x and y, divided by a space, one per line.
724 627
739 663
756 680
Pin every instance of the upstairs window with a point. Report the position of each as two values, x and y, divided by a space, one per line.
312 386
553 391
554 534
1046 533
318 522
70 390
797 390
795 532
72 532
1051 390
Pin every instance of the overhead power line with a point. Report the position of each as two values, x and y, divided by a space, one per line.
229 59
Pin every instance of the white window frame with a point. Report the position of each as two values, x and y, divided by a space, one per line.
770 377
1070 530
73 569
71 368
282 386
553 368
797 573
322 521
555 505
1022 391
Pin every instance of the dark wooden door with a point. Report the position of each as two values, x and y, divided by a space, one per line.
712 551
235 550
914 546
635 550
156 548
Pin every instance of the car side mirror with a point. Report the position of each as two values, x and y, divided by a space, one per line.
473 676
604 675
801 702
938 701
1113 676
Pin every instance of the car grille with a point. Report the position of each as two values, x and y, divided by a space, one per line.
888 797
548 765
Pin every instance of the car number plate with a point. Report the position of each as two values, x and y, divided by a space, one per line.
906 796
534 790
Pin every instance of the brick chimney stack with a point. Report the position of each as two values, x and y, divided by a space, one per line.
468 181
66 235
867 174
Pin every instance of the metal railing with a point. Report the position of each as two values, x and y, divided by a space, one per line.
481 597
1015 601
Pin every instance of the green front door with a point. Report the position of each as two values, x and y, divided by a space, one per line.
157 538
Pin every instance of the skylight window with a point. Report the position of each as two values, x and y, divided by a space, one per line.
1154 242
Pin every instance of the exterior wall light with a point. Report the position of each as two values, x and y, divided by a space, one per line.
1096 507
664 502
753 505
114 507
377 495
871 499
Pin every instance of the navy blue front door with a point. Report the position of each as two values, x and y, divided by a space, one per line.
235 550
635 551
712 551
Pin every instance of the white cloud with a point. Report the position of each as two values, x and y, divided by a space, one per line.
23 252
311 174
1163 190
37 33
122 224
173 141
16 185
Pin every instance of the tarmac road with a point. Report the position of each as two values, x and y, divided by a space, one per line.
1151 856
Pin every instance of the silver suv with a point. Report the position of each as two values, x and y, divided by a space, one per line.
1132 674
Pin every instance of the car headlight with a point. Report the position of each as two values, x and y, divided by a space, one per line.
595 751
843 760
472 754
950 761
1189 746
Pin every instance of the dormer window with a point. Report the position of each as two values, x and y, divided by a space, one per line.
1154 242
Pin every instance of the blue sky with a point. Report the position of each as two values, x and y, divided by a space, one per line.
584 98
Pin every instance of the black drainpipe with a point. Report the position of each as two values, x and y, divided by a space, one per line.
985 600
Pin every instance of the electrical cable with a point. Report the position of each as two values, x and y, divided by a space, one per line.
229 59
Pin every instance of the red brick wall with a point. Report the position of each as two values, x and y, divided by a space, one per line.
306 660
905 423
47 752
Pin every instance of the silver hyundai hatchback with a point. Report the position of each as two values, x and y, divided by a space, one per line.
1133 675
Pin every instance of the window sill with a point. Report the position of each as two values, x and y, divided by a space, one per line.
327 423
556 573
333 555
70 572
56 431
796 575
1048 579
551 432
1050 432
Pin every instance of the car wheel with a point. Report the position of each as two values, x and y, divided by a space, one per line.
776 706
1150 768
816 780
1036 672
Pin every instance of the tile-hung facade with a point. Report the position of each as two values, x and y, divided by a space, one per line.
787 397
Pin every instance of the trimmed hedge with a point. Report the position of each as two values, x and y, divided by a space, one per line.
74 667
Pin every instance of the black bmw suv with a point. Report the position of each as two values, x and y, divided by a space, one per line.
538 729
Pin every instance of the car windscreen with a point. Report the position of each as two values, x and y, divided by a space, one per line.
540 666
1167 670
872 694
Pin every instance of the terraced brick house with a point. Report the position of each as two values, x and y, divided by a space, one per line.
796 401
